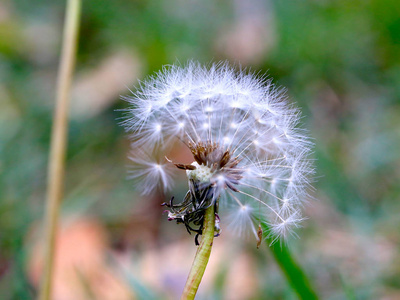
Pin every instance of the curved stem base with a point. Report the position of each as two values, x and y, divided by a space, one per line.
202 256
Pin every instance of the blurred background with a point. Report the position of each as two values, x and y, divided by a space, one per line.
339 60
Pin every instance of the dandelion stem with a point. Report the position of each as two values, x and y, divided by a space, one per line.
291 269
202 256
59 142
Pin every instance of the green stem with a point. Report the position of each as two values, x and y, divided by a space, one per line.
202 256
59 142
291 269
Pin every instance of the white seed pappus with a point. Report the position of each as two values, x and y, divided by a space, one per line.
250 147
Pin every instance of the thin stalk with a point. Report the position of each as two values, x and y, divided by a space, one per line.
59 142
291 269
202 256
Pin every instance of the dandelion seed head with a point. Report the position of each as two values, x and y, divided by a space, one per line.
249 152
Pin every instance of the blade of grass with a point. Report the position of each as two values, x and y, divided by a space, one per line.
291 269
59 142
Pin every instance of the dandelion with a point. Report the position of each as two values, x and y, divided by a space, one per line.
250 158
